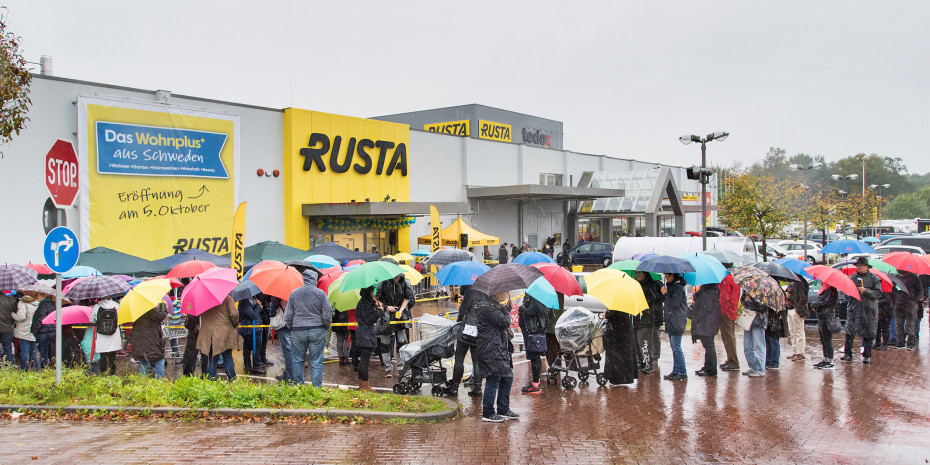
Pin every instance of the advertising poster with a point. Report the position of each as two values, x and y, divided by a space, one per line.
161 179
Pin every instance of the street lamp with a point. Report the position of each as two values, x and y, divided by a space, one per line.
837 177
805 168
879 197
703 173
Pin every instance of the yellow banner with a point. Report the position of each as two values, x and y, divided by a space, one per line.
494 131
237 241
161 180
456 128
435 228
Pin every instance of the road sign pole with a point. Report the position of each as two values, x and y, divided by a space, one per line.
58 297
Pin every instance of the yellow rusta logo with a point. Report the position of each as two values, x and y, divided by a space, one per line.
456 128
494 131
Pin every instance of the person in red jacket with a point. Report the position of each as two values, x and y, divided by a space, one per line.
729 304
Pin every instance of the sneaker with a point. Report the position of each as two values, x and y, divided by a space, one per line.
510 415
756 374
799 358
828 366
677 377
493 419
898 347
475 393
771 367
388 375
729 367
530 389
910 347
747 372
820 364
846 358
648 370
866 360
450 391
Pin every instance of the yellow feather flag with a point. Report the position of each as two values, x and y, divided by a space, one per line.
237 241
435 227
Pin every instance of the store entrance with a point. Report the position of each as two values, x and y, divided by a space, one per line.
377 242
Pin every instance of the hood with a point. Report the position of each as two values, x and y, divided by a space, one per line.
310 277
28 299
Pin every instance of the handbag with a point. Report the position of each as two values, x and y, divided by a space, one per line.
277 321
383 325
834 325
745 319
470 334
535 342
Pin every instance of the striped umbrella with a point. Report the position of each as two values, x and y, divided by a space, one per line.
16 276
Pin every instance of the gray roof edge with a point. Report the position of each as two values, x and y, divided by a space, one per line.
383 208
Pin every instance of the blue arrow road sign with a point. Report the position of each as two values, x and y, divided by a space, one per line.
61 249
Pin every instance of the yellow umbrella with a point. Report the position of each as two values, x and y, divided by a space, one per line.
617 291
404 257
142 298
413 275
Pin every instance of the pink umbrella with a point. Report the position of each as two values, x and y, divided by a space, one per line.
207 290
70 315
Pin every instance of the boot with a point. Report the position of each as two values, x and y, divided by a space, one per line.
364 386
344 360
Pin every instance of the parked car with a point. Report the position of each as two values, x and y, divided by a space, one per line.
772 251
917 241
796 249
886 249
818 237
593 253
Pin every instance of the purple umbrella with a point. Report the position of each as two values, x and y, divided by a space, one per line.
504 278
16 276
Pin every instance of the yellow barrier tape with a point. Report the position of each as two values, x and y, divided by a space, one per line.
433 298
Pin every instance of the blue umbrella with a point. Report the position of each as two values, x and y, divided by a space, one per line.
322 261
642 256
666 264
80 271
542 291
871 239
795 265
420 253
461 273
847 246
529 258
707 270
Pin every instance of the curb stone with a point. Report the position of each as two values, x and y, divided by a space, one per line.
451 411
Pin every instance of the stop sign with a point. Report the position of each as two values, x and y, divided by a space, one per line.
61 173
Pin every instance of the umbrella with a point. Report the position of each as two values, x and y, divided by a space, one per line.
123 277
355 262
411 274
80 271
871 240
96 287
542 291
404 257
142 298
835 278
190 268
207 290
447 256
351 267
343 300
37 289
196 254
847 246
342 254
561 279
665 264
726 256
271 250
279 282
795 265
777 271
461 273
40 268
707 270
629 267
111 262
16 276
504 278
70 315
327 280
887 283
420 252
175 282
908 262
530 258
322 261
760 286
244 290
880 265
370 274
388 258
617 291
642 256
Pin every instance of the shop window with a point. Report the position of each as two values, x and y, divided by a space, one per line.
550 179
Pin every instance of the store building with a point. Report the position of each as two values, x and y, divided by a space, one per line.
159 173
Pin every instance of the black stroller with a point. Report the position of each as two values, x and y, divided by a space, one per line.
579 333
422 360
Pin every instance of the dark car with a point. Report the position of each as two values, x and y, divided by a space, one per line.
917 241
600 253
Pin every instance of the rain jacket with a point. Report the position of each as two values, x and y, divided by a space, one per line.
147 340
915 290
494 347
705 311
675 309
651 317
367 314
729 297
249 314
218 329
502 255
619 348
797 298
7 309
46 308
467 312
308 307
825 305
106 342
532 315
762 312
25 310
392 294
862 316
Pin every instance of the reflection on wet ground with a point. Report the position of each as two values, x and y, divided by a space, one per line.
852 414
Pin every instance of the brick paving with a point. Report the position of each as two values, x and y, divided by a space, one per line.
855 414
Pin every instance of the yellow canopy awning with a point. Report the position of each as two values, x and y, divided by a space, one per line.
450 235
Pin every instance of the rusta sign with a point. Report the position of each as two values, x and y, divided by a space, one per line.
455 128
494 131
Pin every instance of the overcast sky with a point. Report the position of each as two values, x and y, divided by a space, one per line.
626 78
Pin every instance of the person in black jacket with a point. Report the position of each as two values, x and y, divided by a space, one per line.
620 348
825 306
494 362
367 312
532 319
250 315
705 323
647 324
675 309
45 334
465 343
905 311
502 255
398 298
514 251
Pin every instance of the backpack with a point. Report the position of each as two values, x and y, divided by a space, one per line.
106 320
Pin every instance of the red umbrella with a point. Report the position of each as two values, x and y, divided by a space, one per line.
279 282
189 269
356 262
835 278
173 281
908 262
40 268
560 278
328 279
887 285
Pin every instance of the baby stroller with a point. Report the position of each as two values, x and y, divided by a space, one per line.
422 360
579 333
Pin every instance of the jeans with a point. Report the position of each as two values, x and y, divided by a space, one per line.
728 336
893 329
313 340
866 346
284 335
678 356
6 341
826 340
710 353
772 351
158 367
496 387
46 343
754 348
29 355
342 344
228 364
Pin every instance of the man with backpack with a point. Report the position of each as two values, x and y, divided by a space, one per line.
109 340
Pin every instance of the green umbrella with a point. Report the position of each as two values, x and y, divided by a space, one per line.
369 274
629 267
343 300
879 265
110 262
271 250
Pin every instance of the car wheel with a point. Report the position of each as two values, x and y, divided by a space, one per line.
811 260
607 261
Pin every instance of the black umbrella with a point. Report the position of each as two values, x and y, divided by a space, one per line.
447 256
244 290
504 278
777 271
388 259
665 264
303 265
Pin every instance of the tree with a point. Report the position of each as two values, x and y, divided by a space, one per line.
762 205
14 84
859 210
905 206
822 211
